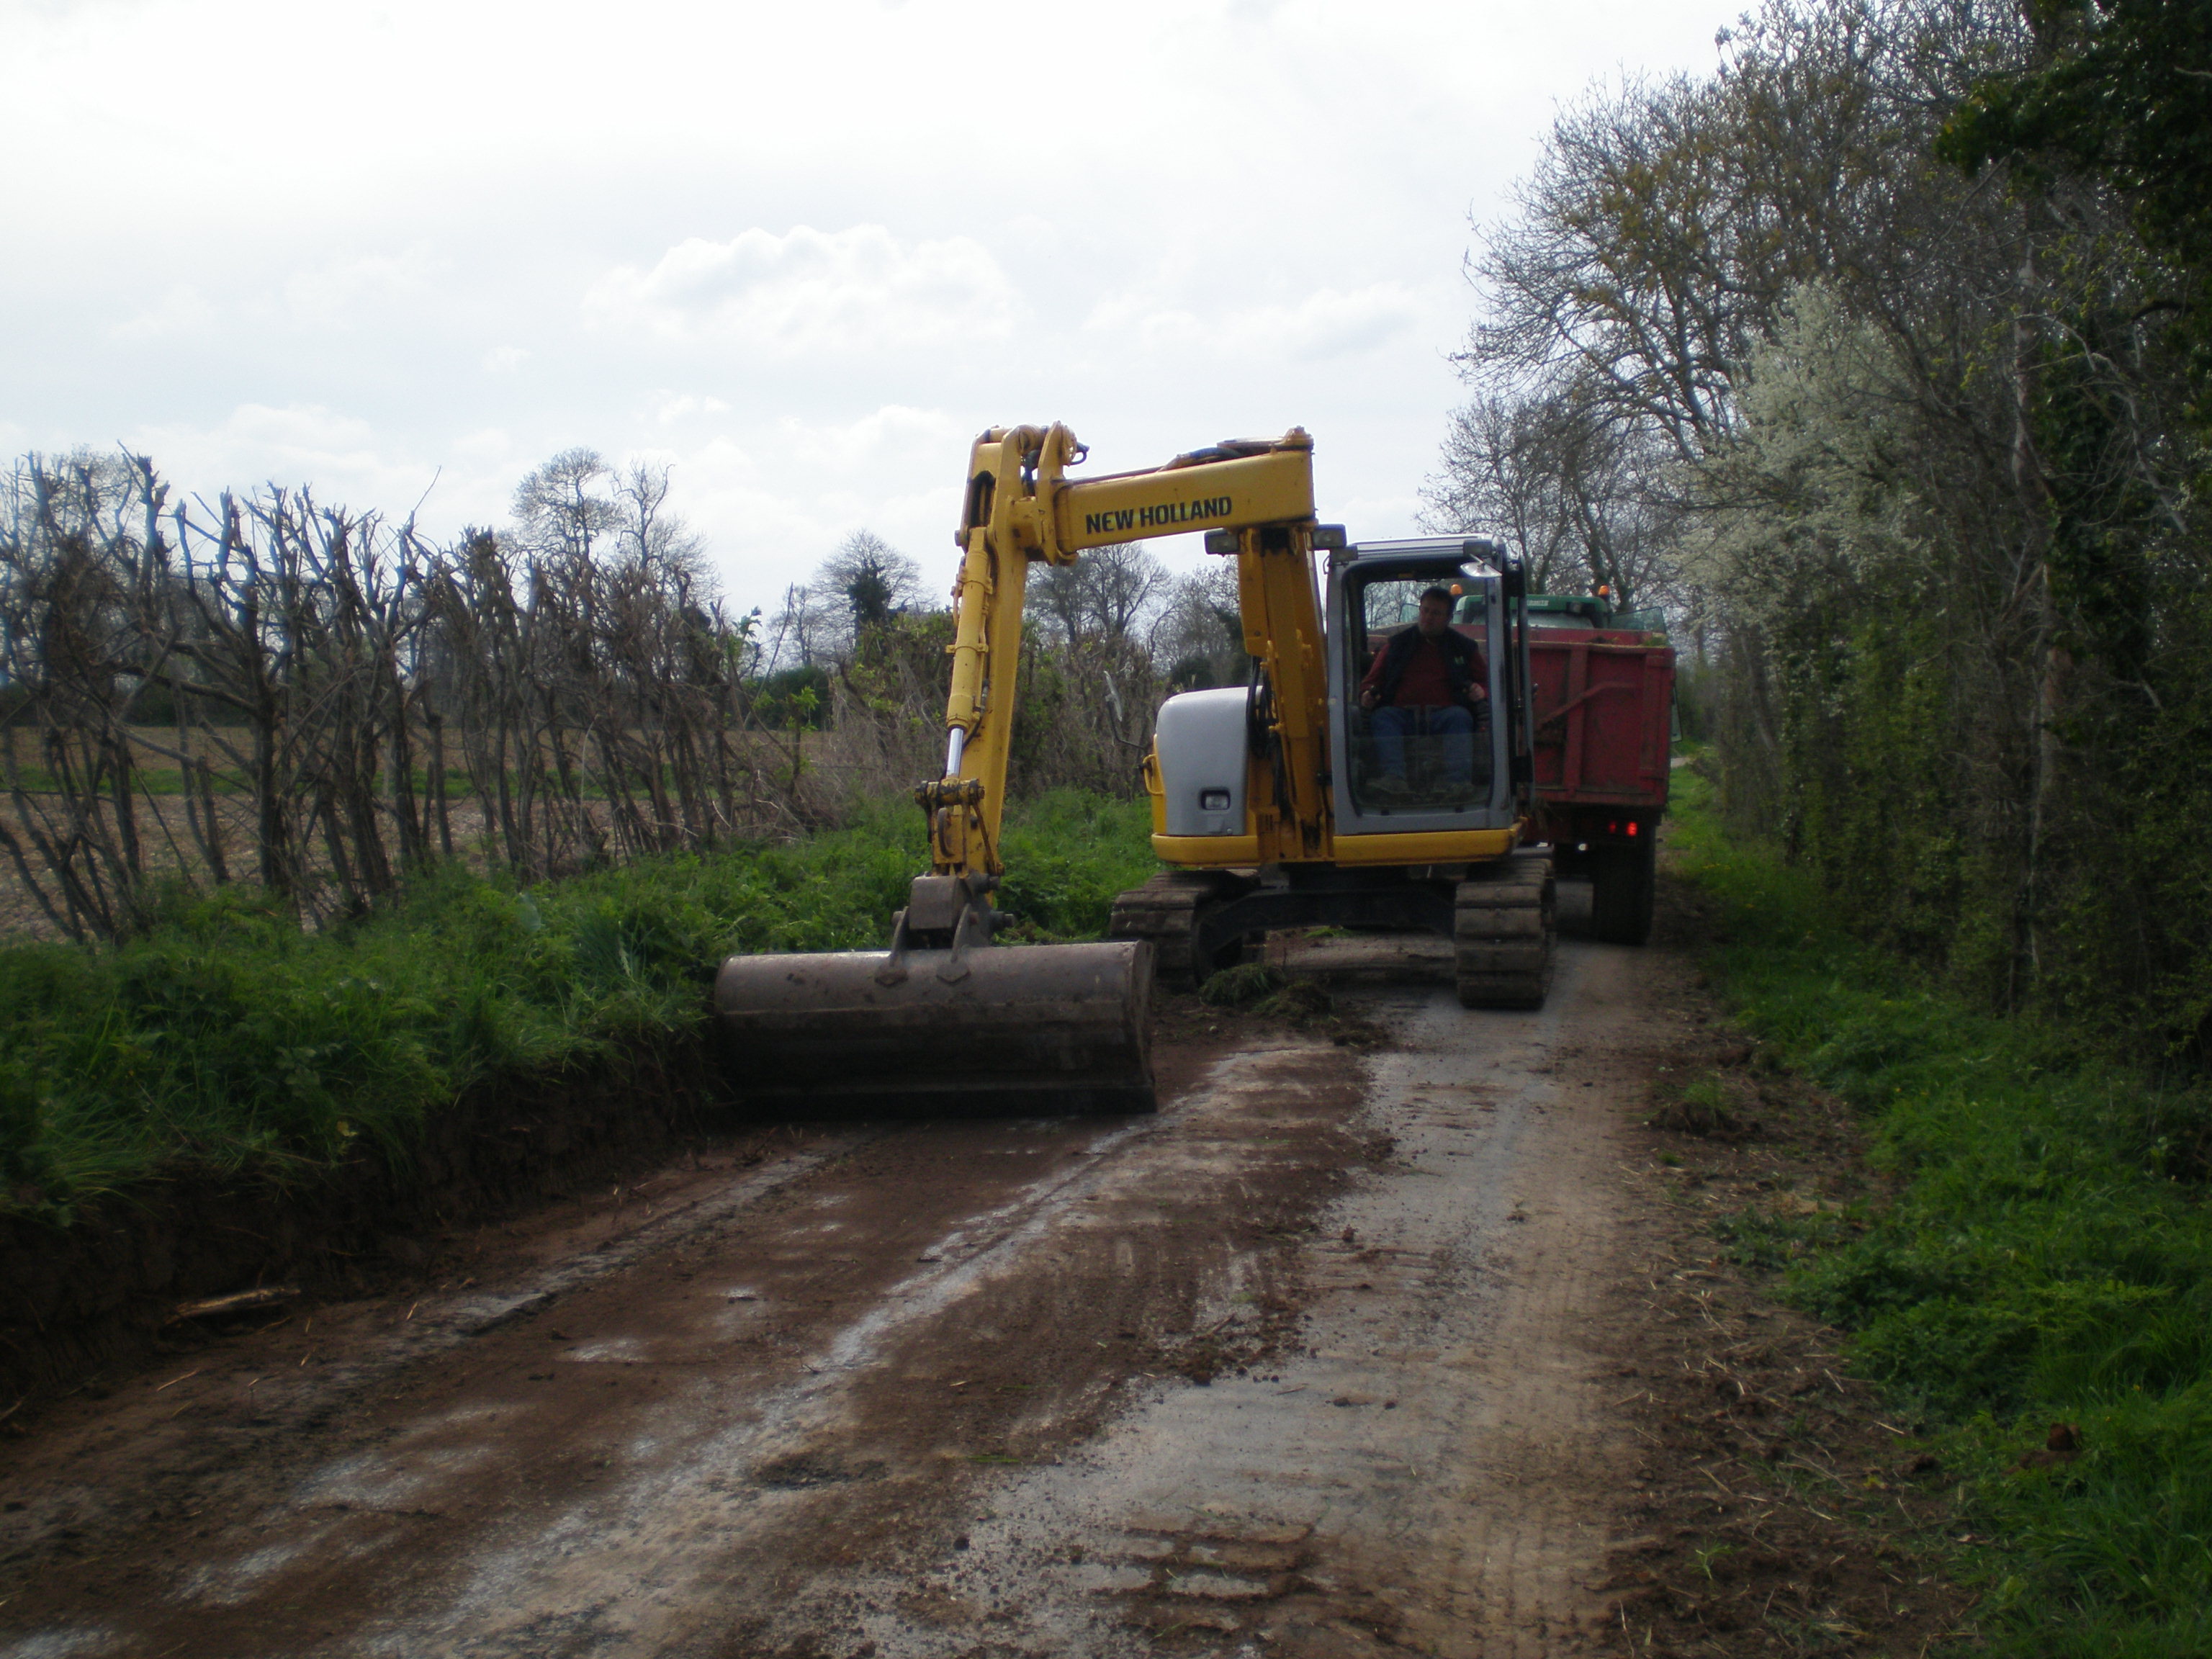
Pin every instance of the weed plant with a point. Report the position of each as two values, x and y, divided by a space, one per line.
227 1040
2043 1256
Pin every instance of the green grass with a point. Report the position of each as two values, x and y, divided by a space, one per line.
2045 1256
163 782
227 1040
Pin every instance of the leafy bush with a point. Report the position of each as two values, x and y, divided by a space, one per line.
1069 853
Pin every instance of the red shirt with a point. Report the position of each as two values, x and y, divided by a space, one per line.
1426 682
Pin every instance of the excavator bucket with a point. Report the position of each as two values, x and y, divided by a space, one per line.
1000 1030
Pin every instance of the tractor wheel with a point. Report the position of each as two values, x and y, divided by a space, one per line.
1623 880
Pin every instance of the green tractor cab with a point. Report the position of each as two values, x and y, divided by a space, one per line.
1592 611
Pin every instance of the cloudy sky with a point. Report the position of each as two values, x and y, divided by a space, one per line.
802 253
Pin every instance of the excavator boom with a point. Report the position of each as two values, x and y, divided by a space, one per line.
1020 509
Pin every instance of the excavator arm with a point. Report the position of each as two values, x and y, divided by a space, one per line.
1020 508
936 1023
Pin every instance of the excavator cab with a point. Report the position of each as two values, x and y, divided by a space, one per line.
1437 766
1420 805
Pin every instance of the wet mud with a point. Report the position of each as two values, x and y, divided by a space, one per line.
1324 1359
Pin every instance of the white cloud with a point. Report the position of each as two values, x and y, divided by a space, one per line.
307 433
336 292
894 434
1360 512
348 305
774 506
491 444
813 294
342 457
687 406
724 456
179 311
1326 322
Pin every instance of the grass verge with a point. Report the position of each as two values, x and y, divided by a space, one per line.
226 1040
2034 1283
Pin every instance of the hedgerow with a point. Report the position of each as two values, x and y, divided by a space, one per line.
227 1039
2043 1257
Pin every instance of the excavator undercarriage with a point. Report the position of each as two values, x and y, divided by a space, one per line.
1499 918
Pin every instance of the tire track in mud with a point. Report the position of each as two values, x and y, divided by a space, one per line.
1430 1472
648 1462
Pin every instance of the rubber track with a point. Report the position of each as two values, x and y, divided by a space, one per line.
1165 911
1503 926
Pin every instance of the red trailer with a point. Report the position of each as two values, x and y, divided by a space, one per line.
1603 690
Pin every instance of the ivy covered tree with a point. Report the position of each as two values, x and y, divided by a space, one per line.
1890 339
2119 91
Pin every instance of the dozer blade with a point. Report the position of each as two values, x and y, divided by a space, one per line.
1002 1030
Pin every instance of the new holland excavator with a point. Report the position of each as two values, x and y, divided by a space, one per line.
1282 803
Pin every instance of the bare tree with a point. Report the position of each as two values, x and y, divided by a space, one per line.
565 508
1572 491
1106 594
647 532
312 680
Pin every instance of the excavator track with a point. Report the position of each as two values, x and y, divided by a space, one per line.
1503 927
1165 911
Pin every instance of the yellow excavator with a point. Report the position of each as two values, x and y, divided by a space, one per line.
1290 801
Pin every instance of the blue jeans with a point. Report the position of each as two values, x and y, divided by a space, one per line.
1393 725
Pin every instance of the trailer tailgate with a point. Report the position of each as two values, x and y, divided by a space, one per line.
1604 708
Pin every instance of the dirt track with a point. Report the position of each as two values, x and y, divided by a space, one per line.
1323 1360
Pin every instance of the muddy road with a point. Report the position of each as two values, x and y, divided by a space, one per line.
1323 1359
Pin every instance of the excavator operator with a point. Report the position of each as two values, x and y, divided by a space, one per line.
1430 680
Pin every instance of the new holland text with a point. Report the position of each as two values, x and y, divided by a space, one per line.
1156 517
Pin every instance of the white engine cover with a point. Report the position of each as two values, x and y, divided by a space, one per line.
1201 748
